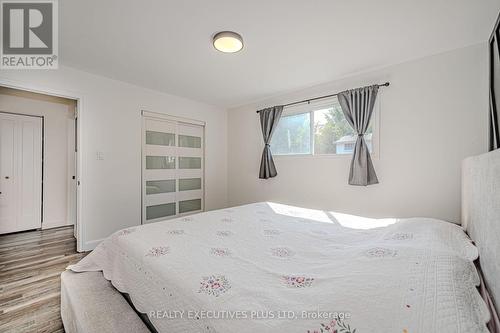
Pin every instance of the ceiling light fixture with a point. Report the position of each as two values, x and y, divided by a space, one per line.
228 41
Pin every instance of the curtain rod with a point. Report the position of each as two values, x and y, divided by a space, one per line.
326 96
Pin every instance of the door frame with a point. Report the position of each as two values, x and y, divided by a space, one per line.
80 174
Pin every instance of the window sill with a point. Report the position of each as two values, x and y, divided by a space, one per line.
320 156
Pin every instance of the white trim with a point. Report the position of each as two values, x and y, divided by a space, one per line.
80 176
311 131
56 224
90 245
164 116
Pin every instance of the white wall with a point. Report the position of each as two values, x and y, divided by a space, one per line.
432 116
56 146
111 123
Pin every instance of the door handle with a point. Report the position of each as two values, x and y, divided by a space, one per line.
7 177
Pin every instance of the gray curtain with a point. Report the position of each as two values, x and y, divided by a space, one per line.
269 119
357 106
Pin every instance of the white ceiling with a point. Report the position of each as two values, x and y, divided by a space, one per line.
289 44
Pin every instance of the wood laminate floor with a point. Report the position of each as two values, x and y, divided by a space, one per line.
30 267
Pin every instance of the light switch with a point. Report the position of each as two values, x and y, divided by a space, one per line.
99 156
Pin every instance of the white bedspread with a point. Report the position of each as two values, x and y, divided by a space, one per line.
273 268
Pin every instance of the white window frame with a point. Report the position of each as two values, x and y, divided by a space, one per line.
319 105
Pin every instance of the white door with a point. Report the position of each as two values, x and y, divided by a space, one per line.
20 172
173 160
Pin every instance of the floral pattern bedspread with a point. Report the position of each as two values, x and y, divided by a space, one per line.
268 267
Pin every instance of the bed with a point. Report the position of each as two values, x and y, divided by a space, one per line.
268 267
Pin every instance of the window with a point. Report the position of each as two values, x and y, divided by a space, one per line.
319 129
293 135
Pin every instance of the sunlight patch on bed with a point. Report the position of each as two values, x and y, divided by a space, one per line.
359 222
304 213
344 220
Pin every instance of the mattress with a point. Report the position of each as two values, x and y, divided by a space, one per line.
268 267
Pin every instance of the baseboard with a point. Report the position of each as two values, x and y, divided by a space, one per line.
90 245
55 224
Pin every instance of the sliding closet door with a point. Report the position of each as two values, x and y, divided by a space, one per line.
172 169
190 169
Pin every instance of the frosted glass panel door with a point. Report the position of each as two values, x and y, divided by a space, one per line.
190 168
172 174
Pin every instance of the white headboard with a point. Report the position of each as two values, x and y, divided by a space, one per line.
481 214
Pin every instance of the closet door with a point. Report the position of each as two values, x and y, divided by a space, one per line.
20 172
172 182
190 169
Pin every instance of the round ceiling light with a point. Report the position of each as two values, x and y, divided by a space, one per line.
228 42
